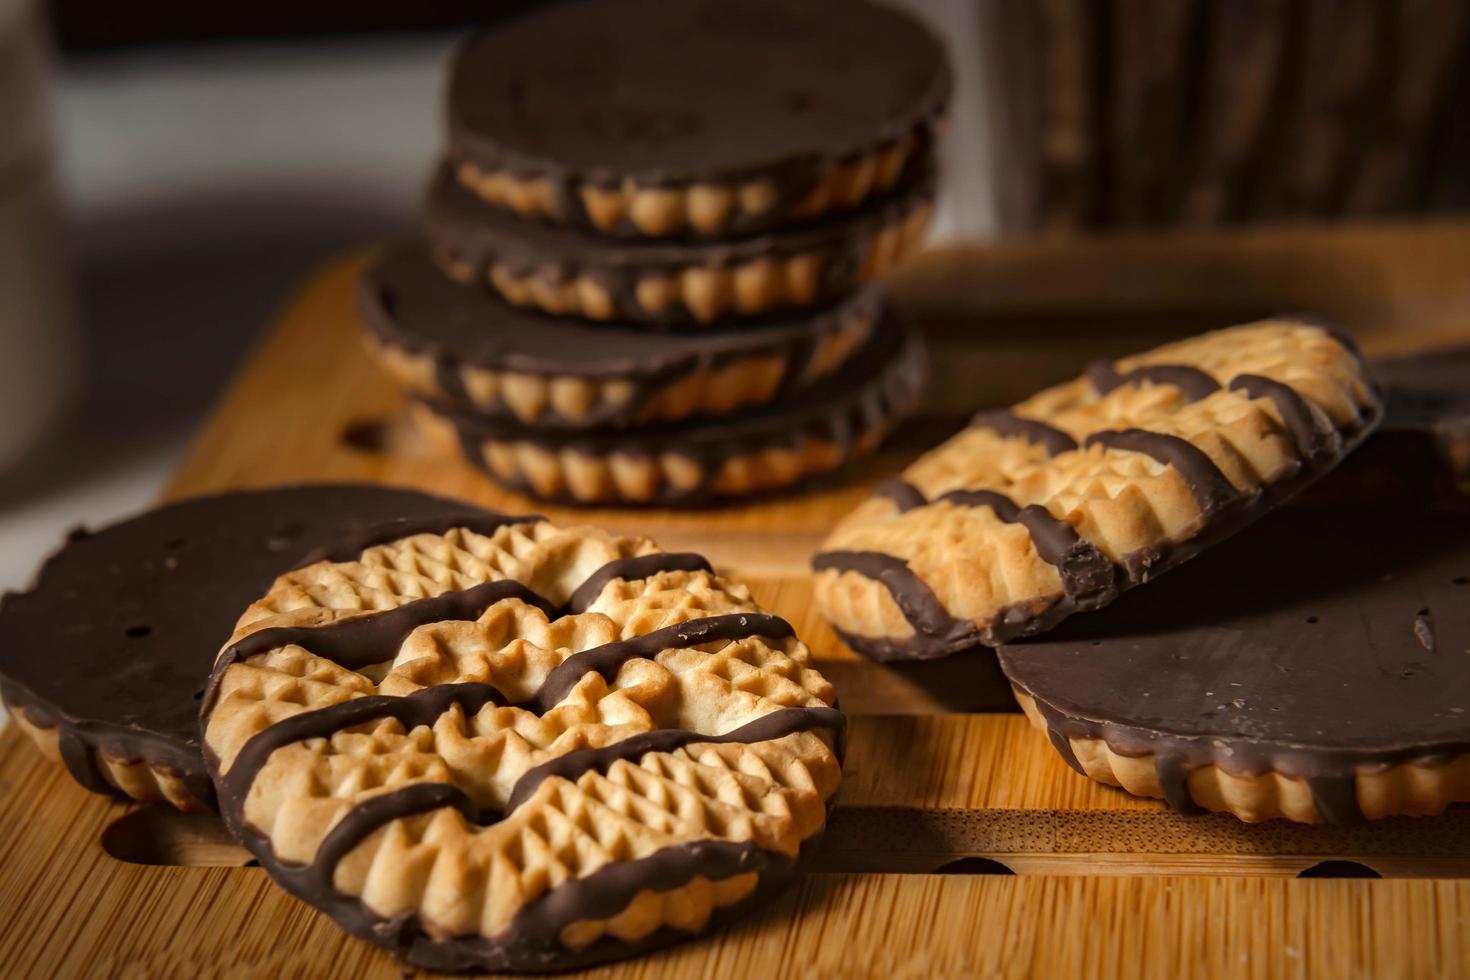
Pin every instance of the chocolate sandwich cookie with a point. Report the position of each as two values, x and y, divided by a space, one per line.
102 661
1313 669
470 350
1090 488
522 747
700 118
813 432
671 285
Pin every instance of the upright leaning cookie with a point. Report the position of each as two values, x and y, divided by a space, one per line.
1091 487
1313 669
520 747
697 118
103 659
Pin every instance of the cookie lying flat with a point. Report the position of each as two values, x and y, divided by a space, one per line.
526 747
812 432
103 659
1314 669
672 284
470 350
701 118
1091 487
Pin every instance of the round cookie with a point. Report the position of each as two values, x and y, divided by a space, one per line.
671 285
470 350
812 432
1313 668
526 748
1090 488
700 118
103 659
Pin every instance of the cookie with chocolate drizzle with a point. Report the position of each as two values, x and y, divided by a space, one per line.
503 744
1089 488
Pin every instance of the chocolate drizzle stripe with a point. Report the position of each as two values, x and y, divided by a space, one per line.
412 711
777 724
1313 435
1193 383
608 658
360 822
1210 487
913 596
1007 424
373 637
1088 576
644 566
905 495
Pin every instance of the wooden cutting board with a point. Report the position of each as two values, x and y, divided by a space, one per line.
961 845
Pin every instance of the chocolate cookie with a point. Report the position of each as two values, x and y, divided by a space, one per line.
812 432
699 118
672 284
470 350
1090 488
1314 668
522 747
103 659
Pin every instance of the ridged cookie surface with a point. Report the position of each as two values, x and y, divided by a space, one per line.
511 745
1091 487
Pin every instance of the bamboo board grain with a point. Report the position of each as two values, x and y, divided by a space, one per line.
1105 884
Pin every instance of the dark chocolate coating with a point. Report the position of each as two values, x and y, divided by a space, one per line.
465 228
409 304
881 382
532 942
113 643
1089 581
1324 640
701 90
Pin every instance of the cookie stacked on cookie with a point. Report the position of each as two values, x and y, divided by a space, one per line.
652 243
1310 668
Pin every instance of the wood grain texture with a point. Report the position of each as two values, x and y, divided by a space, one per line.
937 777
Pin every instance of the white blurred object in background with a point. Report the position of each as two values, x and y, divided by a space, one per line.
36 331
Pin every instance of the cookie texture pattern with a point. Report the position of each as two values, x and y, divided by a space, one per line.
519 746
1091 487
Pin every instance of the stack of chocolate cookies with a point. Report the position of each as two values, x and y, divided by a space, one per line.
652 245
